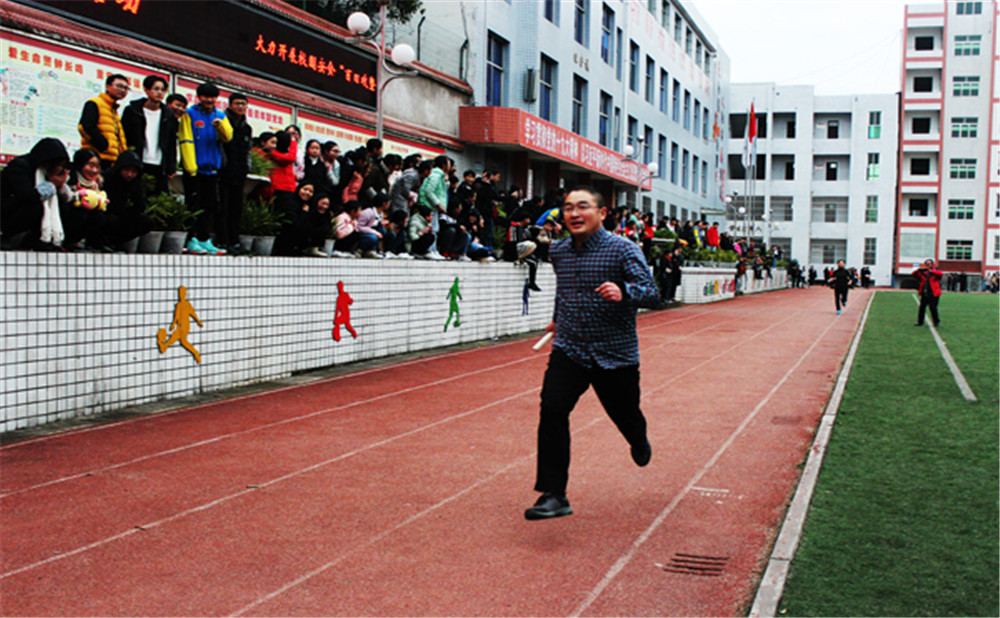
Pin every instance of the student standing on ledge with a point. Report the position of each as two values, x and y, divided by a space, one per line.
601 279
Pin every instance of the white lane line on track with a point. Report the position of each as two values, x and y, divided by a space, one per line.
357 451
956 373
623 561
221 437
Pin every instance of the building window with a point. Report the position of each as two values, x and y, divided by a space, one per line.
965 85
968 8
916 245
665 14
688 41
580 22
496 61
697 117
831 170
871 172
547 89
871 248
874 125
923 43
967 44
664 95
549 10
650 74
996 247
921 125
661 157
920 207
963 169
678 28
704 178
781 208
633 132
675 110
618 54
790 129
685 160
833 129
958 249
687 110
704 123
579 105
871 209
830 213
647 145
708 64
633 67
961 209
616 130
694 172
964 127
673 162
604 121
923 84
920 166
607 35
790 170
697 54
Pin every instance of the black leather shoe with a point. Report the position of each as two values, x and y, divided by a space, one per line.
549 506
642 454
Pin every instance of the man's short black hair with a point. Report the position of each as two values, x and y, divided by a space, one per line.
598 198
177 97
114 77
441 161
236 96
469 173
328 146
151 80
208 89
373 144
425 166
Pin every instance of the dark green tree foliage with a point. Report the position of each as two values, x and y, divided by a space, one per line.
336 11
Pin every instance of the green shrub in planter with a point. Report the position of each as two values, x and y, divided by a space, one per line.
260 164
260 217
169 212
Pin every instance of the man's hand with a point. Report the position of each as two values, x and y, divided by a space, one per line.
609 291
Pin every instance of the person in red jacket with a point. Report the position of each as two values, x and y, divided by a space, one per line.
929 289
283 174
712 236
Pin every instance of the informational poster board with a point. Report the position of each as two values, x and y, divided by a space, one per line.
348 138
43 87
261 114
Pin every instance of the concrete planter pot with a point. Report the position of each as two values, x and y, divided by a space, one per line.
150 242
173 242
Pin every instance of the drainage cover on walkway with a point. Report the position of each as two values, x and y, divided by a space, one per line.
691 564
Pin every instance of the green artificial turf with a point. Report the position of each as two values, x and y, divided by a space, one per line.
904 518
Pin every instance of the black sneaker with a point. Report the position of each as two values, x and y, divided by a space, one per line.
549 506
642 454
534 287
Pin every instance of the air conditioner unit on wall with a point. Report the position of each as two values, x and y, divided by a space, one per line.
530 86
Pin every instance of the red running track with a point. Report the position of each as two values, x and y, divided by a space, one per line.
400 490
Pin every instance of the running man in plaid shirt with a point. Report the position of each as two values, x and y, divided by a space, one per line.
601 280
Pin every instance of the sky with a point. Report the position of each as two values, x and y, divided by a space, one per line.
840 47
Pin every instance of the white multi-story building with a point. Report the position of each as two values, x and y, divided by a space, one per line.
948 203
561 87
825 183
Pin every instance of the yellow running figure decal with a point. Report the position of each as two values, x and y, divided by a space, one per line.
183 312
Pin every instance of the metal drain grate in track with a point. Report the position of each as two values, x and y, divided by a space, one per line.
702 566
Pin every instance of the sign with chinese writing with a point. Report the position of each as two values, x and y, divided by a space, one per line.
349 138
239 35
262 115
44 87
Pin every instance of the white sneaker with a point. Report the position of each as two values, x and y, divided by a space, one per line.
404 256
341 254
489 258
434 255
464 258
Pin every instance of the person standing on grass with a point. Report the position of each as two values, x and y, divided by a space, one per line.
929 289
840 280
601 279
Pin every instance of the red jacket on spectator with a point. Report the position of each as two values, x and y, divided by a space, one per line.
929 276
282 175
712 236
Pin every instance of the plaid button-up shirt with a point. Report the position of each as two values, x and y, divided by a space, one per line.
594 332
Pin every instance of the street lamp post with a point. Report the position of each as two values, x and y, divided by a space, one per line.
652 169
402 55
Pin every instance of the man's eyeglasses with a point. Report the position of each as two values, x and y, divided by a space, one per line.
582 206
121 86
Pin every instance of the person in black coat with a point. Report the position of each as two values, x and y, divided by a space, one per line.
840 281
127 217
26 184
233 174
158 160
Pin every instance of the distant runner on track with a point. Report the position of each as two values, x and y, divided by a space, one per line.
601 279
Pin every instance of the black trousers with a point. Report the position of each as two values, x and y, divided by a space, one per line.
206 199
840 297
564 383
928 301
227 223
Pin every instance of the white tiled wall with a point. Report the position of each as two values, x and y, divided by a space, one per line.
708 285
79 330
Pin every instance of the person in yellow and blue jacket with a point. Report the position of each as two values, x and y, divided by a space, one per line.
202 132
